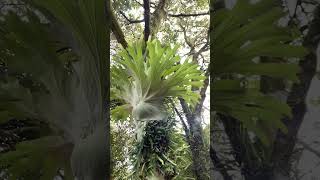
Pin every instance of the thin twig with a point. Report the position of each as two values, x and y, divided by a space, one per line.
188 15
131 21
185 127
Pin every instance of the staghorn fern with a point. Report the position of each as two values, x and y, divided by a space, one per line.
143 77
143 80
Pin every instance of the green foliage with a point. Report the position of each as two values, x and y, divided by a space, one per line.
122 141
163 151
150 153
150 76
36 159
56 72
241 36
179 153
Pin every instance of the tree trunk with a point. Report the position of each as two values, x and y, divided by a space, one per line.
251 166
200 155
217 163
285 143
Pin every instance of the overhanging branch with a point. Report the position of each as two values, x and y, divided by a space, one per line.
131 21
188 15
115 28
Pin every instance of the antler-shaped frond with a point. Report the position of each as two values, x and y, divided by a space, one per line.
146 77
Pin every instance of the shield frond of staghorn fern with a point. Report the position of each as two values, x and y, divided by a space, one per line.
240 37
142 77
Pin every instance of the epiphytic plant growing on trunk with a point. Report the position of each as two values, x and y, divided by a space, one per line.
144 75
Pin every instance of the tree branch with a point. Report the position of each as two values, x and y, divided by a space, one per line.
138 2
146 6
185 127
131 21
115 28
203 93
186 38
158 16
188 15
185 109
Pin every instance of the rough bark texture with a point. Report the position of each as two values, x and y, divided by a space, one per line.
199 154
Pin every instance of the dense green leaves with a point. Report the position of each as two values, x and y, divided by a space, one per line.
150 153
163 152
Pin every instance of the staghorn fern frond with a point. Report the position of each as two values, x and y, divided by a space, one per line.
144 78
240 37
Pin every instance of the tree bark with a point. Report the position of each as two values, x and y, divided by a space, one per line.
115 27
200 155
146 6
217 162
284 145
158 16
